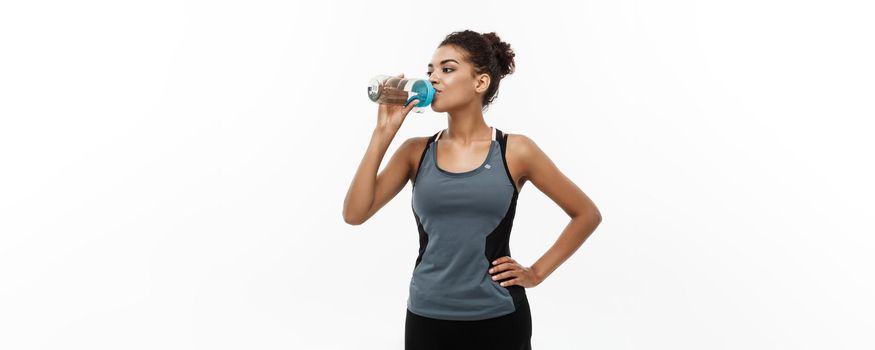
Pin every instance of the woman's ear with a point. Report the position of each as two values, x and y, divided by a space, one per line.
482 83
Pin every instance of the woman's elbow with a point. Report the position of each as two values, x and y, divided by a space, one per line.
351 219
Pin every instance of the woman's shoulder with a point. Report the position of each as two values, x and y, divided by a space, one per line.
413 148
521 152
520 144
416 145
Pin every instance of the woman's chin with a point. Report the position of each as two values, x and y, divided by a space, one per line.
438 106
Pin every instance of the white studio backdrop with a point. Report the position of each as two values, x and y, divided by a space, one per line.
172 173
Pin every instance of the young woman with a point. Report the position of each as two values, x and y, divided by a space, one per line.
466 291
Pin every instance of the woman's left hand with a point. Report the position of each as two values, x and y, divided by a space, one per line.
506 266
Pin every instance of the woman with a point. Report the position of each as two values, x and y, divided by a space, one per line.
466 291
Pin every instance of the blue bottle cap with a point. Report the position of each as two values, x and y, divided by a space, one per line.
424 93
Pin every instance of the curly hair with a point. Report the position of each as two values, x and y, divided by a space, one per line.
488 54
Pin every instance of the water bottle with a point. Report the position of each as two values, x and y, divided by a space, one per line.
394 90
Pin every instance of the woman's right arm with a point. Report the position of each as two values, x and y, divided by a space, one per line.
368 191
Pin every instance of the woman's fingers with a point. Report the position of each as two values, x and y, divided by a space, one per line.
503 267
515 281
502 260
506 274
507 268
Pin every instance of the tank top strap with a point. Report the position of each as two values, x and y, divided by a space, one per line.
432 138
502 140
424 152
502 143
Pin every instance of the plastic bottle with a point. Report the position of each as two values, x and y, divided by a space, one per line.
394 90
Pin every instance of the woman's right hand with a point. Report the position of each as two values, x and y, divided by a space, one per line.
391 116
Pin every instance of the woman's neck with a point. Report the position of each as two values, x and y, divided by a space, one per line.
465 127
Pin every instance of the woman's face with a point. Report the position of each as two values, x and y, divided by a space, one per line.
453 78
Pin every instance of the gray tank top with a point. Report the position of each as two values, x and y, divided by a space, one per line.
464 221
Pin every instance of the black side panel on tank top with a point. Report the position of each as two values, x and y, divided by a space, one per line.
498 242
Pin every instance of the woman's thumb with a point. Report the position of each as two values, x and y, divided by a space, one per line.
412 104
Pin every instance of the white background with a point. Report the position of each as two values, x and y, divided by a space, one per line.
173 172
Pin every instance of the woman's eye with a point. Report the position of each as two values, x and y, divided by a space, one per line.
429 73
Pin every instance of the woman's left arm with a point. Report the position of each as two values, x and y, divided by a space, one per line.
537 167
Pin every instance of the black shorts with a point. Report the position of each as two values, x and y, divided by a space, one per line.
509 332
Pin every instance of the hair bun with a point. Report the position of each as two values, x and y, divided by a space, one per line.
503 53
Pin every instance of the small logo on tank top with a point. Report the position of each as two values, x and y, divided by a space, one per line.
487 166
